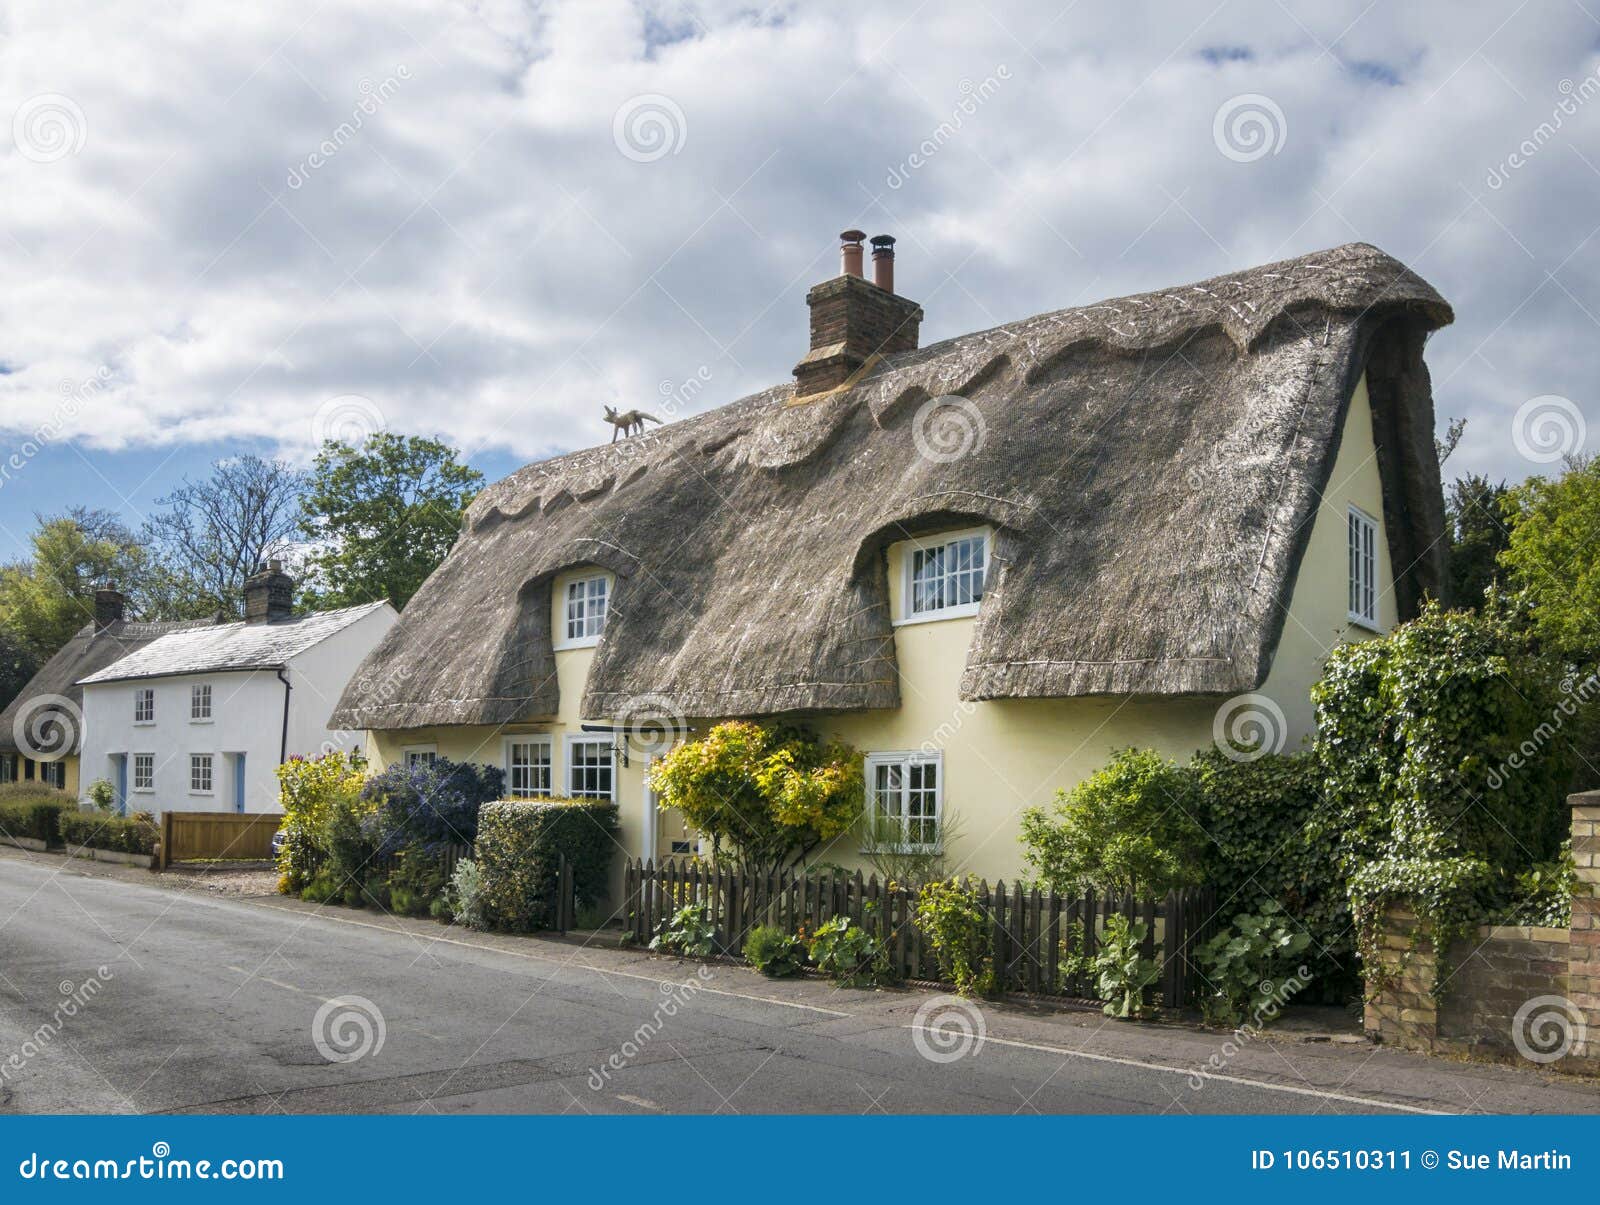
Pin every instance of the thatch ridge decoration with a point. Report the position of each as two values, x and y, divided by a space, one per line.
1152 462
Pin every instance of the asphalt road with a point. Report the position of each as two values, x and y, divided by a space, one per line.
212 1004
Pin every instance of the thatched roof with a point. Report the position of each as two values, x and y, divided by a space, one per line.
88 651
1150 465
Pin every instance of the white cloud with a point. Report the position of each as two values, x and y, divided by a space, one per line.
477 256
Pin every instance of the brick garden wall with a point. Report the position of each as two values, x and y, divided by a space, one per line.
1509 989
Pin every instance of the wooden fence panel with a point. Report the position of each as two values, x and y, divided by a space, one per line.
217 835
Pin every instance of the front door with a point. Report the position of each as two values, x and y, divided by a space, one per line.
119 762
238 782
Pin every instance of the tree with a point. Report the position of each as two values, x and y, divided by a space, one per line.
215 532
772 794
1552 558
17 665
1478 532
382 516
1130 826
47 598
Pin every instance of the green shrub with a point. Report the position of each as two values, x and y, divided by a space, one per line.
308 789
323 886
1129 826
519 842
846 952
961 933
102 794
124 834
1542 894
773 952
35 814
1251 966
1120 970
685 932
1271 845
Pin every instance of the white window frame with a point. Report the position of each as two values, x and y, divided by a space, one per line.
133 773
569 762
905 760
943 539
1362 550
203 769
410 755
200 703
587 639
543 740
141 696
53 773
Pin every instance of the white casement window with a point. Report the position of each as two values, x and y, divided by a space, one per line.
529 767
587 599
591 769
199 703
944 576
420 755
144 705
144 771
199 773
54 774
905 792
1363 545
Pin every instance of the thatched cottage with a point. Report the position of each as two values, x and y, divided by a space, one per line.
987 562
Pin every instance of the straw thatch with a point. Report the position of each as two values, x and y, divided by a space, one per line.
1150 465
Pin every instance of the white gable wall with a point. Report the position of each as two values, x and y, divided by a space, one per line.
320 675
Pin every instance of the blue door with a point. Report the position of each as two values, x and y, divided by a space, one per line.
238 782
122 784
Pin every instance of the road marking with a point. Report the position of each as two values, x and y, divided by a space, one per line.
1189 1072
580 966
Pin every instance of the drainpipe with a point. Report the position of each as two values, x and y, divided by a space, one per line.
283 744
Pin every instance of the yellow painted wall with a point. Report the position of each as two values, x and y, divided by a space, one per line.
1002 756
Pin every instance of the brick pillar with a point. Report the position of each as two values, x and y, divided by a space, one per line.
1583 954
1402 1011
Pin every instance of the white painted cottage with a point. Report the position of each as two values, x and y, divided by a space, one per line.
200 719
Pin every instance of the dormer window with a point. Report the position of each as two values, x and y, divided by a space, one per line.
1363 549
586 600
943 576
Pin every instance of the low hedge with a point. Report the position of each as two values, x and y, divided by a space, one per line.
35 812
519 842
124 834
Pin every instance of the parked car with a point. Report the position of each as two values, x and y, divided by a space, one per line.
277 843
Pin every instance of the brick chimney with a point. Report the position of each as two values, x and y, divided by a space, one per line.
268 594
853 319
109 606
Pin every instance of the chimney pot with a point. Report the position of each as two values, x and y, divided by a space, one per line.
109 606
268 594
883 261
850 252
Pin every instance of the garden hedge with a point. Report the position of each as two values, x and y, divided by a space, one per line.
124 834
34 812
519 842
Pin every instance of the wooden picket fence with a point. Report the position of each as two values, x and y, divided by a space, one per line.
1032 930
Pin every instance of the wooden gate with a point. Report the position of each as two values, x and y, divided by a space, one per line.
216 835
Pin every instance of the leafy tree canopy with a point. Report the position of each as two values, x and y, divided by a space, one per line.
48 597
1478 532
383 516
1552 558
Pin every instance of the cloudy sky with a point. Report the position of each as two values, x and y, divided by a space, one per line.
241 227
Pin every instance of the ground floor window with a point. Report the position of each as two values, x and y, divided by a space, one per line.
905 794
144 771
591 771
8 767
54 773
420 755
529 767
200 773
